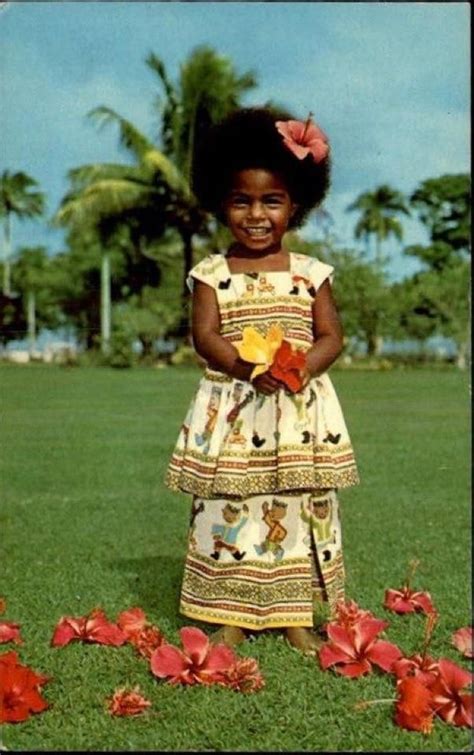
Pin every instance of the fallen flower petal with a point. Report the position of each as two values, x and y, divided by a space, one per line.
168 661
349 613
414 705
127 702
450 699
147 640
408 601
131 621
10 632
3 605
462 640
244 676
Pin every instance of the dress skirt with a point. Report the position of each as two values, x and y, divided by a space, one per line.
263 562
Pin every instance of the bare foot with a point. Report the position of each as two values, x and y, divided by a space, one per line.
230 636
303 639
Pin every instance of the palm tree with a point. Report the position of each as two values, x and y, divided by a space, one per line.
154 194
31 270
17 197
378 211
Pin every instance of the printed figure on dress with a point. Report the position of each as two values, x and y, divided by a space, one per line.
264 447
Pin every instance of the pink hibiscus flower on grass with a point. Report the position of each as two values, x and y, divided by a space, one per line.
199 662
352 650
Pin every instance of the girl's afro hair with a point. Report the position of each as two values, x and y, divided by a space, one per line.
248 138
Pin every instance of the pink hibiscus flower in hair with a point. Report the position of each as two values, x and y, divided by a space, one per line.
199 662
353 650
304 139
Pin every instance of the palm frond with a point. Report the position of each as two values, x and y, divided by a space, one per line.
130 137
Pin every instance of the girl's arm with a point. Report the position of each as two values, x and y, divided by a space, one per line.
327 331
220 353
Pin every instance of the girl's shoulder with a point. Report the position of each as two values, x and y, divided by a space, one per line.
311 268
211 269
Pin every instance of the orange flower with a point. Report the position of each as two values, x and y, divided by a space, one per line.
19 690
244 676
258 349
289 366
94 627
127 702
414 705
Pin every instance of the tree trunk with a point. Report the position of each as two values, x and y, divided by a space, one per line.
6 256
105 304
31 319
374 344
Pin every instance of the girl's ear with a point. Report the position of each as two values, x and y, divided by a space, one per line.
294 208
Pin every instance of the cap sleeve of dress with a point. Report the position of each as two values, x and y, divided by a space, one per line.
319 272
204 271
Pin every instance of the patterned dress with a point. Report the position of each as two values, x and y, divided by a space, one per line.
265 537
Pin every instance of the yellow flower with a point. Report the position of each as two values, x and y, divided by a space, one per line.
260 350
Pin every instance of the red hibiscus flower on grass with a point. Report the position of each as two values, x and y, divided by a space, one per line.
304 139
352 650
20 694
451 701
198 662
462 640
349 613
127 702
406 600
414 705
10 632
95 627
139 632
289 366
244 676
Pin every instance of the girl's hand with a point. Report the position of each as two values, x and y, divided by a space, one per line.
266 384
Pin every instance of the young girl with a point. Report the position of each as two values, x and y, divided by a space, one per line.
263 463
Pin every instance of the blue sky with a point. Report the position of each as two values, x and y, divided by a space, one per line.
388 82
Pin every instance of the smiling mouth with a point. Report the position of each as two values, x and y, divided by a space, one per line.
257 232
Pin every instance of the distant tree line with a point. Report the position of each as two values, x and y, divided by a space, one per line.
134 230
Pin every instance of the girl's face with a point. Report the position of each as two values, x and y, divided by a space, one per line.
258 210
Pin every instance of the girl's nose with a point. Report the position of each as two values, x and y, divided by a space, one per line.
256 210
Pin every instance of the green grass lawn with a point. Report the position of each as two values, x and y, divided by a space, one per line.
86 521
